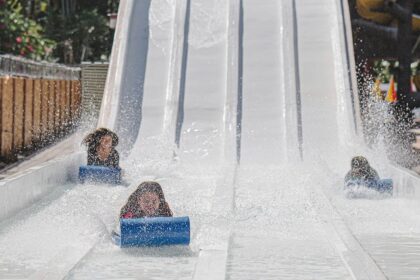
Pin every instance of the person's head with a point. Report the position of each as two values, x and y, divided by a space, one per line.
148 203
106 141
359 163
148 199
101 137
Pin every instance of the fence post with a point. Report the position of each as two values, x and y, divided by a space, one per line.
6 144
57 108
29 105
67 110
62 106
37 112
44 110
75 102
18 114
78 99
51 109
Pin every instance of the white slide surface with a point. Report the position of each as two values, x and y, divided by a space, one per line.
246 112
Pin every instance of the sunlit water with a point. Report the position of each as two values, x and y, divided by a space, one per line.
81 217
278 227
278 231
188 191
388 229
70 218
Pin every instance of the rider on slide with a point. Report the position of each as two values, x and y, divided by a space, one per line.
361 170
147 200
101 148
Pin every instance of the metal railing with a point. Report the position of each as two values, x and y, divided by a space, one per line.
17 66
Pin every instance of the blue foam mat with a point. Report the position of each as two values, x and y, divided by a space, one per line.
156 231
382 185
99 174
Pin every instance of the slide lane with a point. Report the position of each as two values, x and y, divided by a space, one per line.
191 178
278 229
283 234
263 108
153 141
327 121
377 231
121 108
203 97
388 229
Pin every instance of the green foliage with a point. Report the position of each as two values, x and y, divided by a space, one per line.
383 69
66 31
82 35
20 35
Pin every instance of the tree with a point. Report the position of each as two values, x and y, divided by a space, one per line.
20 35
83 35
68 31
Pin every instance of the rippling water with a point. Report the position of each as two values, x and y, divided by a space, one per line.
278 231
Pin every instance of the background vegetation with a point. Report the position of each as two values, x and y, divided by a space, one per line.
65 31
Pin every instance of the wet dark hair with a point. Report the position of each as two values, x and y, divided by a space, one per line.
359 162
92 140
145 187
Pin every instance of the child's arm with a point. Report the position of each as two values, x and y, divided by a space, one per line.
127 215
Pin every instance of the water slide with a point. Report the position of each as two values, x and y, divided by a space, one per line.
247 113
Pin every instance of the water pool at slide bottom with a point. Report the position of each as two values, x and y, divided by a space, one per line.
281 227
73 224
277 228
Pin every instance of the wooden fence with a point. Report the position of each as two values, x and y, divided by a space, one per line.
35 111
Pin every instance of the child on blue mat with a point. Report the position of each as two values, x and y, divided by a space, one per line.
147 200
361 170
101 148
